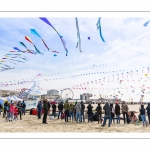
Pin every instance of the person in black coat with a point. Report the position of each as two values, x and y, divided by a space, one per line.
117 112
112 113
148 112
143 115
5 109
45 107
19 106
89 112
60 109
99 113
54 109
107 110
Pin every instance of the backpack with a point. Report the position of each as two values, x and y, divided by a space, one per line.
113 110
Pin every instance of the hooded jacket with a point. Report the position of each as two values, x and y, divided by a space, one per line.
78 107
107 109
142 110
60 106
39 107
148 109
90 107
99 109
117 109
66 106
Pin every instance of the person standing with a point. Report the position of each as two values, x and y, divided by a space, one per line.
82 111
75 111
19 109
1 107
71 109
45 108
54 109
112 113
107 110
117 112
5 109
143 115
60 109
148 112
78 111
90 112
125 110
23 108
99 113
39 108
66 107
49 106
11 112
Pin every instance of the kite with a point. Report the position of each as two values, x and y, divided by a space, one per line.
78 35
99 27
88 38
55 55
27 38
29 51
146 23
61 37
33 31
55 51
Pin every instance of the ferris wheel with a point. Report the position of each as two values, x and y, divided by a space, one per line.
67 93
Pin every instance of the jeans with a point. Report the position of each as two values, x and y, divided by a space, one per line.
125 119
11 116
66 115
71 115
54 113
90 117
23 111
60 112
118 118
105 119
112 118
39 114
143 117
16 117
78 115
82 115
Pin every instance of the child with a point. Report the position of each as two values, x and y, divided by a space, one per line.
11 112
16 114
134 118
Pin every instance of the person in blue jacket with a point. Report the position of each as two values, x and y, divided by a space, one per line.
39 107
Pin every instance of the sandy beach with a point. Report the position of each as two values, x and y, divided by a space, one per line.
30 123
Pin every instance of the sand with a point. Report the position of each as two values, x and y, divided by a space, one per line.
30 123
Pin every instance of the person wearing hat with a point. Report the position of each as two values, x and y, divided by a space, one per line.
66 108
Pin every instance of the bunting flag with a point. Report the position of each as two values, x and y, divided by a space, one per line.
61 37
99 27
78 35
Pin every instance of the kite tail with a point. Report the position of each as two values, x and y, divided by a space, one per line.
45 44
100 31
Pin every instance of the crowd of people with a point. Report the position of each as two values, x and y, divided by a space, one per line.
12 110
76 112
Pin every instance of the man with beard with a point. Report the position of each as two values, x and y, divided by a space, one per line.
45 107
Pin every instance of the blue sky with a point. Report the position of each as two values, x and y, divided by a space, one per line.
124 38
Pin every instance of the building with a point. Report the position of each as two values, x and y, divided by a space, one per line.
52 92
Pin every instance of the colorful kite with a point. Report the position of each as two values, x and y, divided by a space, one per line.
99 27
55 55
146 23
28 39
78 35
33 31
29 51
61 37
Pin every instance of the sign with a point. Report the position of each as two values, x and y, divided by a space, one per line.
31 104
